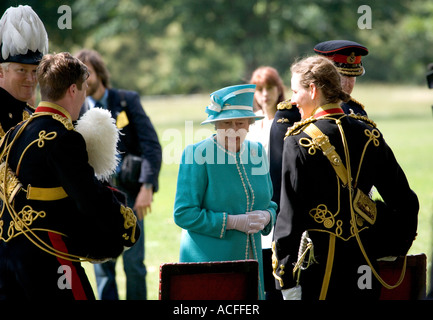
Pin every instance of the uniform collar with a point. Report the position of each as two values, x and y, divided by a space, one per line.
49 107
328 110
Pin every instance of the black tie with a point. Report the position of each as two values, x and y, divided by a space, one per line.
98 104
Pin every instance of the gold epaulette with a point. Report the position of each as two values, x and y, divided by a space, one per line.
363 118
358 103
26 115
68 124
65 121
284 105
299 126
2 132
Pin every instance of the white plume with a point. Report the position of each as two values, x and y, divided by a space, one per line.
101 135
22 30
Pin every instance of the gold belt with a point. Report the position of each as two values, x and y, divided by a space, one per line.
46 194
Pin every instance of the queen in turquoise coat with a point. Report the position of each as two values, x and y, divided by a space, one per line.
223 197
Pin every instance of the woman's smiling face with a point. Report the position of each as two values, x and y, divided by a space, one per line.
302 96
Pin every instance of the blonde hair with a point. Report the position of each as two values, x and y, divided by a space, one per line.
324 75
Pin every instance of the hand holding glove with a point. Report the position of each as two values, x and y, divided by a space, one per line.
250 222
264 214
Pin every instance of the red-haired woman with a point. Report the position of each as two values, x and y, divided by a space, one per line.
269 92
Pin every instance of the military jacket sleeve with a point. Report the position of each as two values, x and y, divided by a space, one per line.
284 119
287 235
95 201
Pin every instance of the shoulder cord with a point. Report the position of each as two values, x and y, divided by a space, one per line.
316 134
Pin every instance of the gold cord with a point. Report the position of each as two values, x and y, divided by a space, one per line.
355 227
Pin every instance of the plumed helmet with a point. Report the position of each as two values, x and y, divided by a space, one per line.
23 36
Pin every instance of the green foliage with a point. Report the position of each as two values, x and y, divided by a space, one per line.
187 46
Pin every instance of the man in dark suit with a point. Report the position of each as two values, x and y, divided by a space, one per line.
55 213
138 142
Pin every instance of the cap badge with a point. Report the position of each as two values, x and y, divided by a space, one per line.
351 59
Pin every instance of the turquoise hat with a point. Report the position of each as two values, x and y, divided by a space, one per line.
234 102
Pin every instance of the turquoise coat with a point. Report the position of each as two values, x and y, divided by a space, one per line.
213 183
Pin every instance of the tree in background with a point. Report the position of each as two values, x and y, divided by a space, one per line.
187 46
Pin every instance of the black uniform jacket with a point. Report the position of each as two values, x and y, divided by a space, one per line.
138 136
354 107
285 117
314 199
60 195
12 111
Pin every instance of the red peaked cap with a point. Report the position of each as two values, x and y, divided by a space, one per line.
345 54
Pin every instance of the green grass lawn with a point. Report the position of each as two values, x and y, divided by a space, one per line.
403 114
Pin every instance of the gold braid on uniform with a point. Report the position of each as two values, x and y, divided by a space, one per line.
363 118
299 126
10 186
130 221
358 103
373 136
275 266
2 132
26 115
285 105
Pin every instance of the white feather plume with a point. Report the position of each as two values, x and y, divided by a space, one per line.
101 135
22 30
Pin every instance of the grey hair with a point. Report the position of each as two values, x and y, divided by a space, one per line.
5 66
250 120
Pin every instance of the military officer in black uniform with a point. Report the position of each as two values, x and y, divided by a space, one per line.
55 212
328 228
18 63
286 116
346 56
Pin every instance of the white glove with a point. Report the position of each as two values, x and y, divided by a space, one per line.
294 293
250 223
265 214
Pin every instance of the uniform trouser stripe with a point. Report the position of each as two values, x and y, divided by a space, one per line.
76 285
328 270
